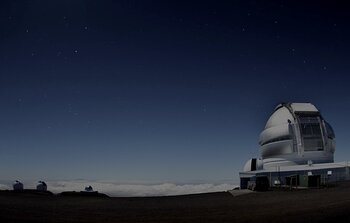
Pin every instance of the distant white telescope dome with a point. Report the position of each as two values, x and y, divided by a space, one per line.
41 186
17 185
89 189
296 133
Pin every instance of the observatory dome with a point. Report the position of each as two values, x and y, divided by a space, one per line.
41 186
253 164
296 133
17 185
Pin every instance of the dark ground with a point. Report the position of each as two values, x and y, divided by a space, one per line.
314 205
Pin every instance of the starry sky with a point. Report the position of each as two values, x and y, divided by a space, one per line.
161 91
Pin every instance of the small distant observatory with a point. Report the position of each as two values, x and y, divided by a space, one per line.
17 186
89 189
297 148
41 186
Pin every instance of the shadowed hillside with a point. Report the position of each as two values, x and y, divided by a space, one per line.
317 205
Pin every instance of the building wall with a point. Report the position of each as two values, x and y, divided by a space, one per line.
304 177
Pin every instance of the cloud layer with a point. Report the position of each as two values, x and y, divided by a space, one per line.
114 189
124 190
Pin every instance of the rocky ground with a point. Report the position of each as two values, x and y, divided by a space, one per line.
313 205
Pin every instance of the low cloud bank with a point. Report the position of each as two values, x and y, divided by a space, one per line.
115 189
126 189
4 187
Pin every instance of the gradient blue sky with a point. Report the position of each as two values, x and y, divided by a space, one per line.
161 91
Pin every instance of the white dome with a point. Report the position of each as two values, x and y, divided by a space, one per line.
253 164
41 186
285 111
297 132
280 116
89 189
17 185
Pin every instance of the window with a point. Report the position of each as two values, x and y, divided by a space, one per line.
311 133
312 129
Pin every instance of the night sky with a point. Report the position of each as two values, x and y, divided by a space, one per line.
161 91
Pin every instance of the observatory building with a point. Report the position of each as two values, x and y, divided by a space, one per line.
41 186
17 186
296 149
